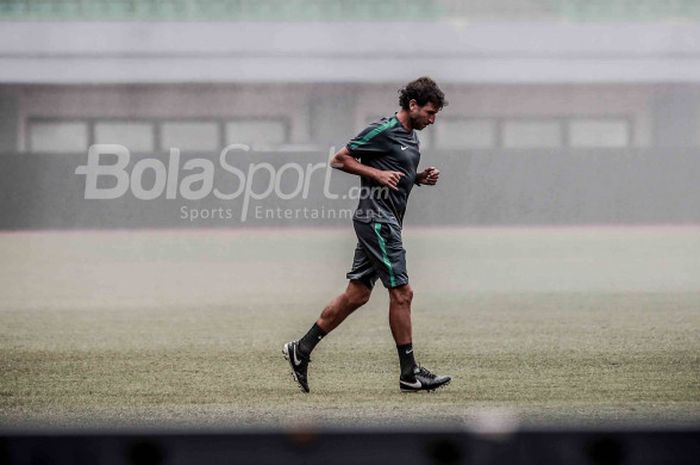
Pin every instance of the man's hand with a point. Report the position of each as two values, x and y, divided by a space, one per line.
346 162
428 176
388 178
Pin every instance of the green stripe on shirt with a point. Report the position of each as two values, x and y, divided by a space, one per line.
379 129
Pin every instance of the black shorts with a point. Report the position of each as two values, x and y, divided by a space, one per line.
379 254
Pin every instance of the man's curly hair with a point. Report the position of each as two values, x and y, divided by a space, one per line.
422 90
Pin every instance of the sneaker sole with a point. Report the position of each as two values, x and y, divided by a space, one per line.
288 358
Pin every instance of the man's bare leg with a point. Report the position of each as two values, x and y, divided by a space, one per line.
354 297
297 352
413 378
400 299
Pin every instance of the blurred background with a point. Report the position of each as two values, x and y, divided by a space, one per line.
560 111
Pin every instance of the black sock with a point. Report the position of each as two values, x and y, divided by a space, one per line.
310 339
408 363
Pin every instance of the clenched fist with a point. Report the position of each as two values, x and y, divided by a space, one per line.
428 176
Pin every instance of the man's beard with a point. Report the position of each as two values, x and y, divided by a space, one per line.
416 124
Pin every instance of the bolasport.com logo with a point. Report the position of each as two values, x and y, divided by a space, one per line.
252 190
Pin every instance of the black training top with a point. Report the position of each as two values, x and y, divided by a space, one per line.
385 145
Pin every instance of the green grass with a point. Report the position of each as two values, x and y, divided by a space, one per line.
186 329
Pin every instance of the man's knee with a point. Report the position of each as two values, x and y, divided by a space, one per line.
357 294
402 295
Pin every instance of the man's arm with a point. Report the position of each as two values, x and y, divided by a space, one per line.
346 162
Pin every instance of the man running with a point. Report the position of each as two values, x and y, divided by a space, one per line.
385 156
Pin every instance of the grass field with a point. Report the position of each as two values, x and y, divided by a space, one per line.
184 328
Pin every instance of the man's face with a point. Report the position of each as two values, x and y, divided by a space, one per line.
421 116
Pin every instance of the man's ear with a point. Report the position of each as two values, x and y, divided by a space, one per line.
412 104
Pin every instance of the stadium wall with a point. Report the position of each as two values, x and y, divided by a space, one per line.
633 186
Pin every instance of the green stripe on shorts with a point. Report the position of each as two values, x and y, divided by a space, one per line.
385 255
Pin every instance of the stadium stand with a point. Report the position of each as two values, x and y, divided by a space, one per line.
339 10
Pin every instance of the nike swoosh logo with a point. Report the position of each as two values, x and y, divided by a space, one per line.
416 385
403 148
294 356
409 351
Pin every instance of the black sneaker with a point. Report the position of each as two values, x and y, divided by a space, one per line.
422 380
298 362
